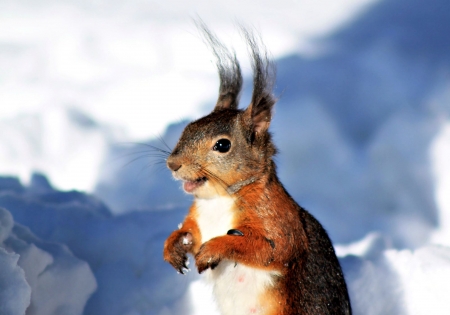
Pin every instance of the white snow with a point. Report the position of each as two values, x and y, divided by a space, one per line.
58 282
422 276
440 155
362 124
14 289
62 142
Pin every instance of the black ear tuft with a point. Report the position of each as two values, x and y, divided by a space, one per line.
264 74
228 68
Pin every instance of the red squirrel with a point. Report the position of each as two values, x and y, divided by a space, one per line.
263 253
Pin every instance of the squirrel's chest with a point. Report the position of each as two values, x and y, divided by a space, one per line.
238 289
214 216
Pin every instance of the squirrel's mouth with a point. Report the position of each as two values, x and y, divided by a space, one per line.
190 185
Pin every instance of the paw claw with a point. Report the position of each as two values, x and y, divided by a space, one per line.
214 265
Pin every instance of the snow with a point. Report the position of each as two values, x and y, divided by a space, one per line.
440 156
124 253
419 271
58 281
63 142
14 289
100 57
362 124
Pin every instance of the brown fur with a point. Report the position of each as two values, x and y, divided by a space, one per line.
278 235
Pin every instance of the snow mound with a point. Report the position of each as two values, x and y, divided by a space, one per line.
424 276
59 283
15 292
124 252
401 282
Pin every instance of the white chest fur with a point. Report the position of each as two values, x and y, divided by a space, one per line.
215 216
237 288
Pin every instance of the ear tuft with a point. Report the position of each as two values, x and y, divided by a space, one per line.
264 74
228 67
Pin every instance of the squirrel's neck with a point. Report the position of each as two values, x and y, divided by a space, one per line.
232 189
264 179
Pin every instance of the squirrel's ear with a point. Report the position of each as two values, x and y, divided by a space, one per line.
228 68
260 115
230 81
260 109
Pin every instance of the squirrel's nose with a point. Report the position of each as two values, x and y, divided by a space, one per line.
173 166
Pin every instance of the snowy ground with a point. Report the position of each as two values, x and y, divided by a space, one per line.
362 125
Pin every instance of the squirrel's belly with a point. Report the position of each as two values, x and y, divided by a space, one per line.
242 290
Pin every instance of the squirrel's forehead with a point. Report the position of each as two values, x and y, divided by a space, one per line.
212 125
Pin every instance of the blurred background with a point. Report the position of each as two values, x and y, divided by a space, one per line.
362 125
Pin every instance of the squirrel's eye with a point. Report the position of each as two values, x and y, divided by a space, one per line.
222 145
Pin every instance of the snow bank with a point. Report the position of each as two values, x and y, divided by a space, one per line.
423 276
58 282
14 290
124 252
384 280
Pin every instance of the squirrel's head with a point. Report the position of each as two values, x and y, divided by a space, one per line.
229 148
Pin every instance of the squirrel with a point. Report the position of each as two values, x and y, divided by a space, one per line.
263 253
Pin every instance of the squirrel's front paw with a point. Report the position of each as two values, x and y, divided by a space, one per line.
207 257
175 249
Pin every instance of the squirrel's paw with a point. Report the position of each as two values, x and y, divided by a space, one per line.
207 257
175 249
